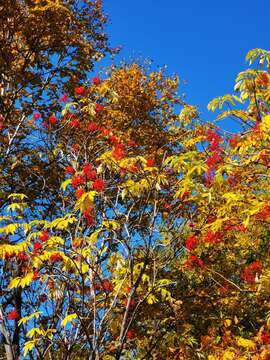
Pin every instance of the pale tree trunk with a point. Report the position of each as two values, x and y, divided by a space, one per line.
8 345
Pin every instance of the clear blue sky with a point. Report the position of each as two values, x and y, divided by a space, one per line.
204 42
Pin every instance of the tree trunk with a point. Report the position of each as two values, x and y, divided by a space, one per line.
8 345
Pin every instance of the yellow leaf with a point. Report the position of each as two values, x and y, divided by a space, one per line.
217 225
63 223
31 333
55 241
145 278
21 282
228 355
253 54
221 100
39 222
7 248
77 241
151 299
15 283
84 268
227 322
29 345
49 333
9 229
93 237
110 224
246 343
16 206
86 201
137 188
246 221
103 89
17 196
65 184
27 318
237 113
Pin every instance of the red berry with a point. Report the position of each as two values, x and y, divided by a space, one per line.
79 193
131 303
37 246
36 275
45 125
88 214
87 168
92 126
52 119
107 285
75 147
213 237
150 163
69 170
44 236
256 266
132 143
105 131
13 315
265 337
56 257
249 273
77 180
75 123
99 108
194 261
64 98
191 242
80 90
167 206
91 175
113 139
97 287
9 256
133 168
98 185
118 152
96 80
36 116
131 334
22 256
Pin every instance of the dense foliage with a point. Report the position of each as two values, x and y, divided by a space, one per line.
130 229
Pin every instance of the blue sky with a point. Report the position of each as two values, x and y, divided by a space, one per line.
204 42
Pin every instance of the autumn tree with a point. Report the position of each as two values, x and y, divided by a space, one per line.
47 49
129 230
110 215
219 305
